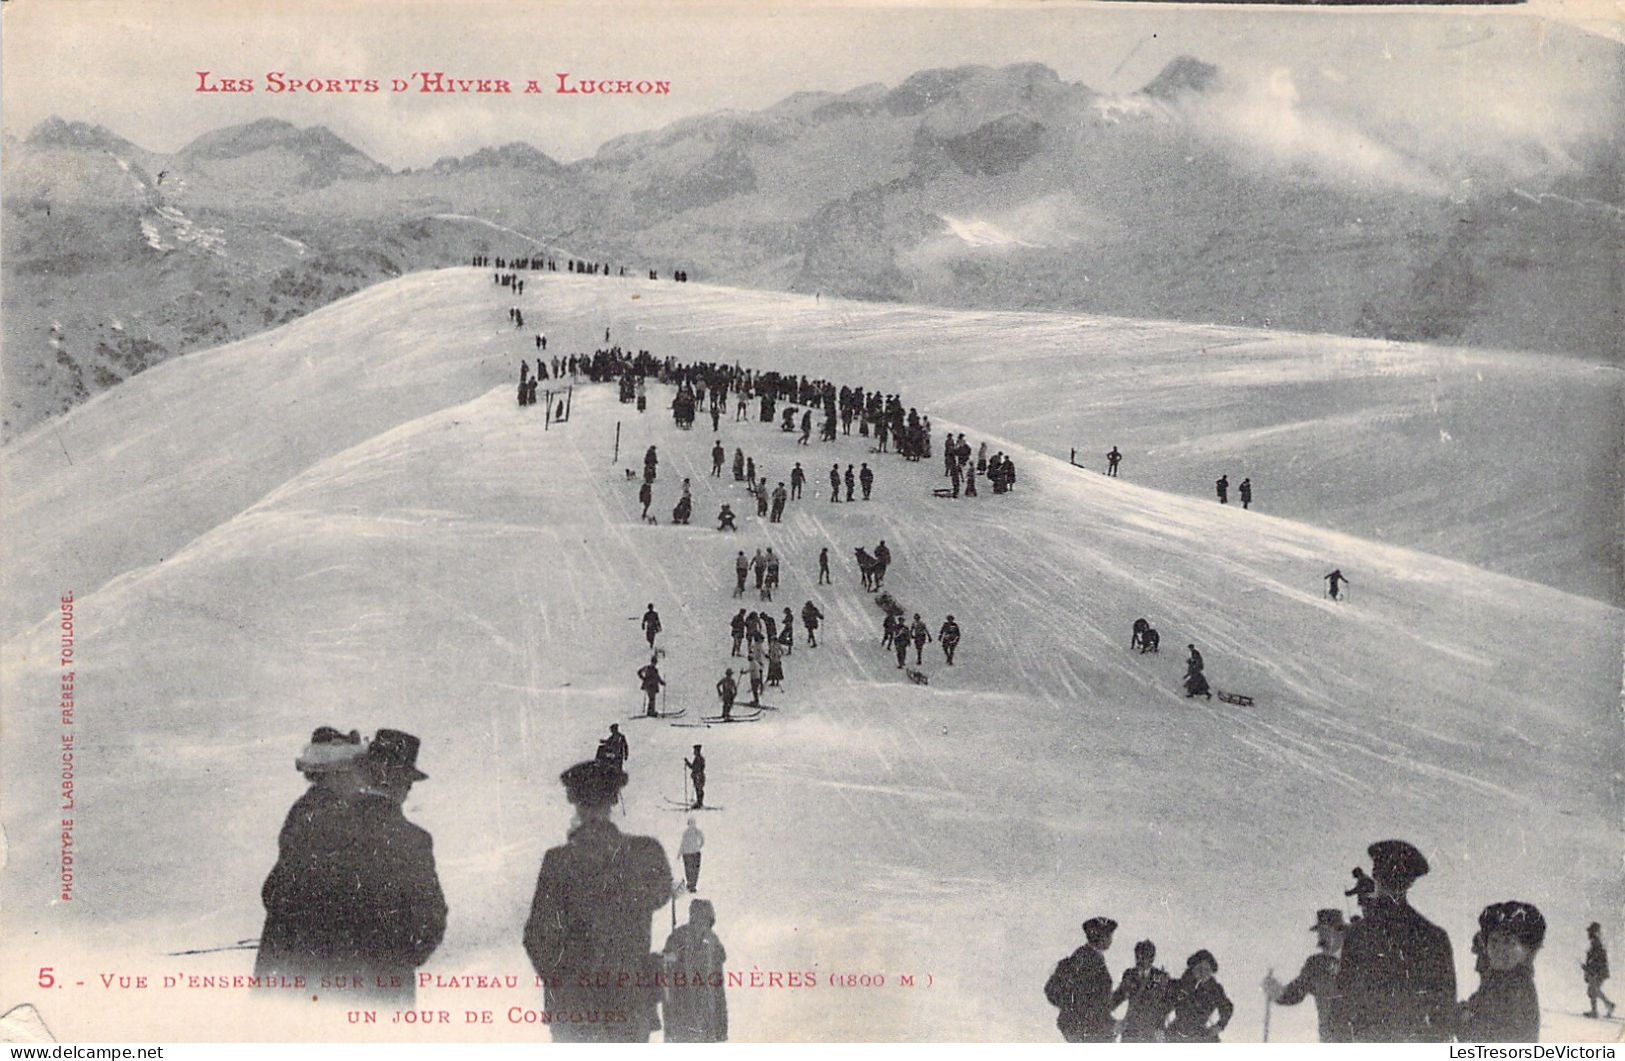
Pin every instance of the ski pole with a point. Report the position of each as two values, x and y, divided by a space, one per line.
1268 1001
242 944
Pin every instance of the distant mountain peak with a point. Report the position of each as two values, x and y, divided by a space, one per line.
58 132
1183 75
517 154
316 142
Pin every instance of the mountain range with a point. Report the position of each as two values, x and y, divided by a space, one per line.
1190 199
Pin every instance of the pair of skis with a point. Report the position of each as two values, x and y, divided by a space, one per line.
708 721
672 804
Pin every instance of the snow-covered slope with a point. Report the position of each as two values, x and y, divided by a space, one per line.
358 527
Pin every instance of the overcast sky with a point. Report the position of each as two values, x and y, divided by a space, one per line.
1479 77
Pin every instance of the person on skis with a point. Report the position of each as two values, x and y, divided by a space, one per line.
1333 582
696 774
727 689
651 681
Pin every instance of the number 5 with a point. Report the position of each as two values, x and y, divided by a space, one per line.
45 977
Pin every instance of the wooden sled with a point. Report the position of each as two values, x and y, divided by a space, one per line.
1234 698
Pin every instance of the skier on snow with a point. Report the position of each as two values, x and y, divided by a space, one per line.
651 681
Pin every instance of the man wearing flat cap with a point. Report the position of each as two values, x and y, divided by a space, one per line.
1081 987
1397 980
588 935
357 894
1319 974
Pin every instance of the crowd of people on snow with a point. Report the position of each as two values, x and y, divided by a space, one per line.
1386 975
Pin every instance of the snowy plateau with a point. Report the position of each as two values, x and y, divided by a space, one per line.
348 520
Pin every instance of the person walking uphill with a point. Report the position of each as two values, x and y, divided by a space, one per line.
810 618
651 624
588 935
948 638
918 631
1081 987
1595 968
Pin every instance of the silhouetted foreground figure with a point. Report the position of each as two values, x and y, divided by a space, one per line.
588 935
1397 980
1505 1008
1319 974
696 996
1081 987
354 896
1196 997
